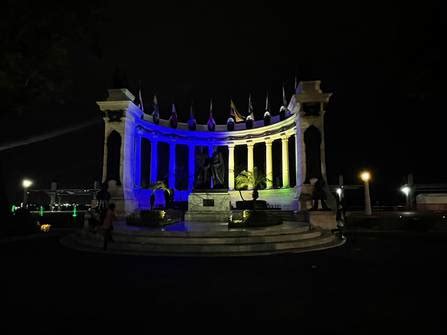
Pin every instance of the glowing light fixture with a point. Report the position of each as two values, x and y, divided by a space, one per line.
26 183
365 176
75 211
405 190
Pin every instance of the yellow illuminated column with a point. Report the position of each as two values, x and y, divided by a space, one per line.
231 167
269 163
250 160
285 162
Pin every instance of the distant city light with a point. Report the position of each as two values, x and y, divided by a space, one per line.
365 176
405 190
26 183
339 191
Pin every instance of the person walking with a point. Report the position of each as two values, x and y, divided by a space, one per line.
107 225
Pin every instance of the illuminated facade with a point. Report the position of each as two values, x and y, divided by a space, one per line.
126 127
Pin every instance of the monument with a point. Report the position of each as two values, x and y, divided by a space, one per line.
199 164
141 149
209 201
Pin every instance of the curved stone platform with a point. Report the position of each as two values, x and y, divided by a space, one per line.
290 237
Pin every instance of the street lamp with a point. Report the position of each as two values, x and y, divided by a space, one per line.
406 190
26 183
365 176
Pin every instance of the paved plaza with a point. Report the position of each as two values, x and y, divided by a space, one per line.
372 282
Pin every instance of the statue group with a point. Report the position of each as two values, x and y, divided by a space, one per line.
211 170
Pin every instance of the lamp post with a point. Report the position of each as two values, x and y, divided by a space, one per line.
365 176
26 183
406 190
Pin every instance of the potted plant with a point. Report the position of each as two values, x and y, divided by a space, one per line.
255 179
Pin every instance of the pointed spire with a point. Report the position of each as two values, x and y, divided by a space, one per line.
140 98
284 99
173 117
211 122
250 107
155 112
192 120
233 111
267 107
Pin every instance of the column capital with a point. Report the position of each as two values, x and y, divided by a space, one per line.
250 144
268 142
284 138
231 145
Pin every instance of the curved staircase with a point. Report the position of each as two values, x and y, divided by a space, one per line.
289 237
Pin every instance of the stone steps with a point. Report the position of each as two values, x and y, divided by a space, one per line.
209 244
208 240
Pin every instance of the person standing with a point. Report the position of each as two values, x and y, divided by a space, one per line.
107 225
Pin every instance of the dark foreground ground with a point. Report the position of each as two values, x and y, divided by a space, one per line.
375 282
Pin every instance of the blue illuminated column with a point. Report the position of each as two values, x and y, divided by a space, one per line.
171 181
137 167
191 166
154 161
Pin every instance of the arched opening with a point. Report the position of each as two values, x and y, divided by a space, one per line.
312 140
276 167
181 167
114 157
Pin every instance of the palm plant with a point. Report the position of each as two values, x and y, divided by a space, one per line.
247 179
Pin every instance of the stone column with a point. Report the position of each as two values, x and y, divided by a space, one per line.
172 165
105 154
297 162
250 160
137 167
285 162
210 154
191 166
154 161
268 163
231 167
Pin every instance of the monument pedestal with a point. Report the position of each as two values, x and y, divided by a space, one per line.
208 208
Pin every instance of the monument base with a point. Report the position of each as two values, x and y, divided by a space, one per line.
212 206
323 219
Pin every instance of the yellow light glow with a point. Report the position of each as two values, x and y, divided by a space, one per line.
26 183
365 176
45 228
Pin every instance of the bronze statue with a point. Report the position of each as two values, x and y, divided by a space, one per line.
210 168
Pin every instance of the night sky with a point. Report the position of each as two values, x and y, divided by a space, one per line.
382 64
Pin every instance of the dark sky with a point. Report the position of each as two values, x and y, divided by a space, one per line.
383 64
